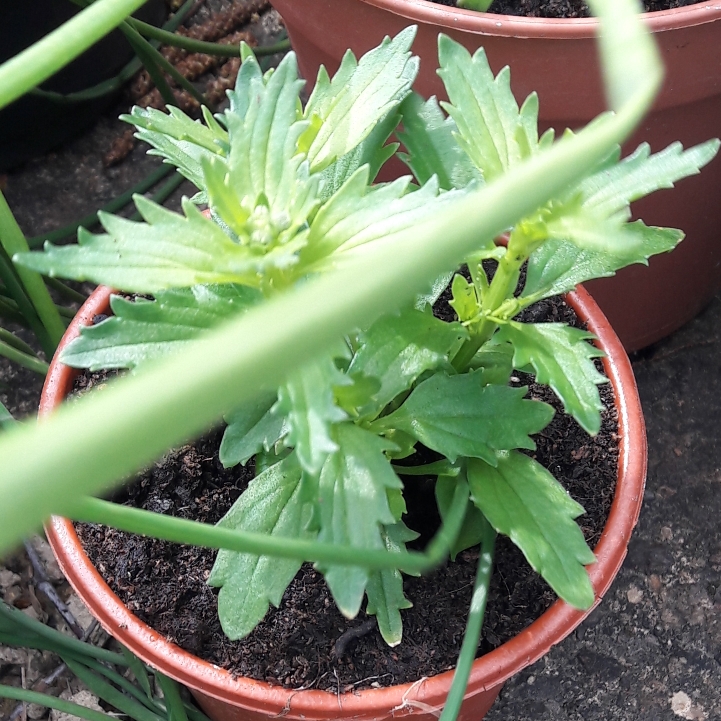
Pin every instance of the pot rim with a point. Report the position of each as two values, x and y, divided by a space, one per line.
482 23
488 671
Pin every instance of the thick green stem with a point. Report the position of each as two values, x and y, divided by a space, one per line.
473 626
133 520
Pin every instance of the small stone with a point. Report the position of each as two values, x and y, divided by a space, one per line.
83 698
682 706
531 680
80 611
634 595
666 533
16 656
8 578
654 583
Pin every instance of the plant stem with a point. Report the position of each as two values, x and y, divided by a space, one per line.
65 290
473 626
44 58
13 340
44 699
23 359
140 48
200 46
134 520
13 241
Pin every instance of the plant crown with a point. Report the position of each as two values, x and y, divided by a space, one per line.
291 194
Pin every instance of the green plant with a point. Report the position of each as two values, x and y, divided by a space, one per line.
290 194
479 5
141 416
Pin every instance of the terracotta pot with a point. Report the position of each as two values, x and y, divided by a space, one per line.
558 59
225 698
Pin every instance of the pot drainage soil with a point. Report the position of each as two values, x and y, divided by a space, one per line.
306 643
563 8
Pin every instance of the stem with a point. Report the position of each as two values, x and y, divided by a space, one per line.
200 46
11 618
13 340
473 626
13 241
168 528
23 359
112 207
44 699
149 54
139 47
65 290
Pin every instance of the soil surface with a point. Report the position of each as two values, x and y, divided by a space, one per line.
562 8
306 642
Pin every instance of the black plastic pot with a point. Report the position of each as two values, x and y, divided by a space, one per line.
33 125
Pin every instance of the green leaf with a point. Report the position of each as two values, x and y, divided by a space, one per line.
561 358
359 214
143 330
344 111
353 506
398 349
459 416
249 583
6 419
522 500
491 129
372 152
264 130
432 148
167 251
558 266
251 429
178 139
385 588
496 361
464 298
307 402
471 531
610 190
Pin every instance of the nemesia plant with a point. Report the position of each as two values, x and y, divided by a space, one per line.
290 193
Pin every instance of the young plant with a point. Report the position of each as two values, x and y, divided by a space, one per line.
290 195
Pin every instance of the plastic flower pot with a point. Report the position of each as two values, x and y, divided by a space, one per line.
558 59
227 698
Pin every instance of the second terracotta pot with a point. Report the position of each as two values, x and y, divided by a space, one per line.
228 698
558 59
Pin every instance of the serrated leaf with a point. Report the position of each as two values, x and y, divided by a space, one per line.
251 429
459 416
432 148
397 349
168 251
464 298
178 139
522 500
562 359
357 394
264 160
372 152
308 404
558 266
385 588
143 330
471 531
358 97
353 506
485 111
611 189
249 583
359 214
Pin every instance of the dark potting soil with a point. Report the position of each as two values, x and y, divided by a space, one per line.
562 8
306 643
